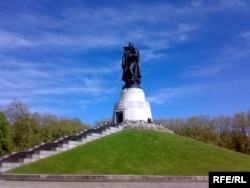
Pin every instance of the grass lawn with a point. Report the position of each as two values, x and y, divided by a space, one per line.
141 153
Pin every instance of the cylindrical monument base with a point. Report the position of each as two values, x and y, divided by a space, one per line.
132 106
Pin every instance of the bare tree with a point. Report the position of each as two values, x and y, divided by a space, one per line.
16 110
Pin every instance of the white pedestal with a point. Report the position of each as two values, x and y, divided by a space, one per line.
132 106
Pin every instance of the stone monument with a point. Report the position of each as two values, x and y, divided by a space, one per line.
132 105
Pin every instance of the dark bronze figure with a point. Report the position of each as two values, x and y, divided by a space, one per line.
131 67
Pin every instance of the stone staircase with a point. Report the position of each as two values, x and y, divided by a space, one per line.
45 150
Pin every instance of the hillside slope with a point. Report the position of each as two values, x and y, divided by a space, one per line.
141 153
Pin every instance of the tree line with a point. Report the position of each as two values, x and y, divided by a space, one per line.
232 132
20 129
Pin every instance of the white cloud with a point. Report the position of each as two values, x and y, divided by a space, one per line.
245 35
205 70
233 4
12 40
197 3
169 94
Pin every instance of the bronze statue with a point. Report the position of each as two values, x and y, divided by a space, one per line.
131 67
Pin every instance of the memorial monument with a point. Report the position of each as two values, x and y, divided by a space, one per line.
132 105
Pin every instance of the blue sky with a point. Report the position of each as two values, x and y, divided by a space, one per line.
64 57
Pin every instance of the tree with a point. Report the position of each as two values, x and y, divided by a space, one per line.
24 134
5 144
223 127
239 132
49 119
16 110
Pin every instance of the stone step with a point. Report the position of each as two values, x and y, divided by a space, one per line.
66 146
10 165
105 133
26 160
46 152
59 149
82 140
39 156
73 143
4 169
114 129
96 135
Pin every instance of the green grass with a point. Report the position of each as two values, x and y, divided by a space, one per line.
141 153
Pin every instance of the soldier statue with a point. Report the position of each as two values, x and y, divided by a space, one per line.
131 67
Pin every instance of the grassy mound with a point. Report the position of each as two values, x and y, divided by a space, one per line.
141 153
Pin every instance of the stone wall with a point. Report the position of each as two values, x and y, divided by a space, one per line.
142 125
